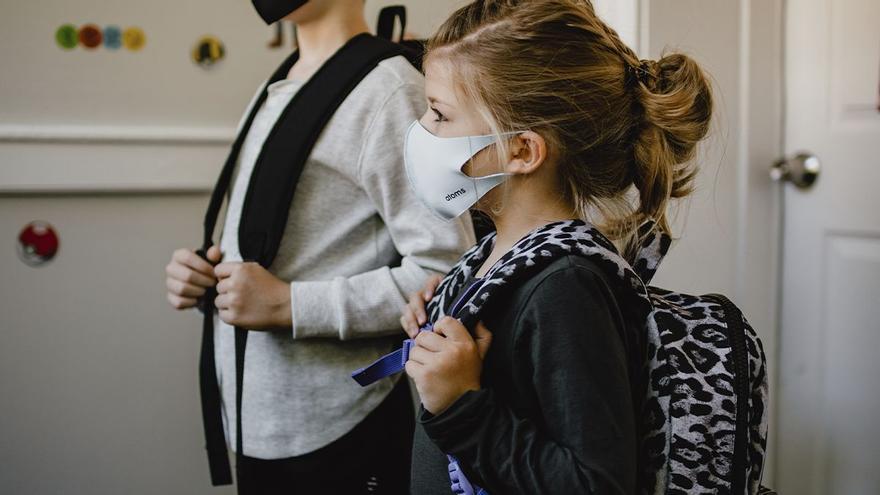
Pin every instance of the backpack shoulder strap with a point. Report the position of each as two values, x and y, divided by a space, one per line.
267 204
225 178
413 50
289 144
212 420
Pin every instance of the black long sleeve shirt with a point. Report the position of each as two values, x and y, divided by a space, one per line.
556 411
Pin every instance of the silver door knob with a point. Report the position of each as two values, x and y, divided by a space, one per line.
802 170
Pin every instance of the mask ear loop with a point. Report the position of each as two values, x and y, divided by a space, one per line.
470 160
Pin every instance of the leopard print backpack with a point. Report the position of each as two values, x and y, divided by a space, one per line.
703 425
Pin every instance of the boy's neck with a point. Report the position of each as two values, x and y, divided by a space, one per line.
320 38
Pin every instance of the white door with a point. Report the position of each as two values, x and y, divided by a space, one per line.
829 381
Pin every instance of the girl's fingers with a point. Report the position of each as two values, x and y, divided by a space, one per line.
414 370
452 328
417 306
420 355
430 341
408 323
483 339
431 287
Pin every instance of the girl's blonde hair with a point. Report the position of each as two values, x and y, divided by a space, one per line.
611 121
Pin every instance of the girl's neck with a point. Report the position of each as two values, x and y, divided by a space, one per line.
318 39
515 221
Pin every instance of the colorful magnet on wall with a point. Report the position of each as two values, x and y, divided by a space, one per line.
134 38
112 37
208 51
90 36
66 37
37 243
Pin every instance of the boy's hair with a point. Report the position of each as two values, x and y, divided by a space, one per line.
611 121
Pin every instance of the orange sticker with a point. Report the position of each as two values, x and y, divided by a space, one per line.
90 36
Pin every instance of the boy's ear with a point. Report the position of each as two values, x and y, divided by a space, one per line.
528 151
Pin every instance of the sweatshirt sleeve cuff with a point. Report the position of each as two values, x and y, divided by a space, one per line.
313 310
458 421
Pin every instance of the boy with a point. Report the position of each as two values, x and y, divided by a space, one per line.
356 239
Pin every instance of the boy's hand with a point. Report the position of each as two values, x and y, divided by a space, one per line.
414 315
251 297
188 275
447 362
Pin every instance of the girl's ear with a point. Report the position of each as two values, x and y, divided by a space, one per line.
528 151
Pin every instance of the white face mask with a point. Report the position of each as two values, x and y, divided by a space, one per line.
433 165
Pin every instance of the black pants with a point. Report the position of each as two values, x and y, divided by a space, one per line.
374 457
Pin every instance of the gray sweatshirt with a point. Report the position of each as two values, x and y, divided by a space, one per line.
357 242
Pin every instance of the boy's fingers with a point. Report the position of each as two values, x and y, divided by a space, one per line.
224 270
189 258
221 302
188 275
214 254
223 286
179 302
184 289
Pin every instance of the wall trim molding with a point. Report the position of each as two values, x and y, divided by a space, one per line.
124 134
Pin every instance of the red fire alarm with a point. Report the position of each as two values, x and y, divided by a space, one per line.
37 243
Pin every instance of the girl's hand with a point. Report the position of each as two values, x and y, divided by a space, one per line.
447 362
414 315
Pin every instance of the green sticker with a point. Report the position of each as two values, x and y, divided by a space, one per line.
67 37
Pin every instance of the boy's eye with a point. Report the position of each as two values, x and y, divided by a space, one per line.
440 117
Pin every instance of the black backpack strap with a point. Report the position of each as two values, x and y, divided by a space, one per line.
223 182
387 16
263 219
212 421
413 50
289 144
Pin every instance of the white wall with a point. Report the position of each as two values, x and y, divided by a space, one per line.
98 373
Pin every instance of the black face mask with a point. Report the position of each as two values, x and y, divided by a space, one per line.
273 11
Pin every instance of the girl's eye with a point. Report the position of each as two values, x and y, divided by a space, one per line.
440 117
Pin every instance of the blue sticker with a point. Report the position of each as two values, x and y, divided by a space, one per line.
112 37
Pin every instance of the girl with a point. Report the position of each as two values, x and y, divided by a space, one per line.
543 96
